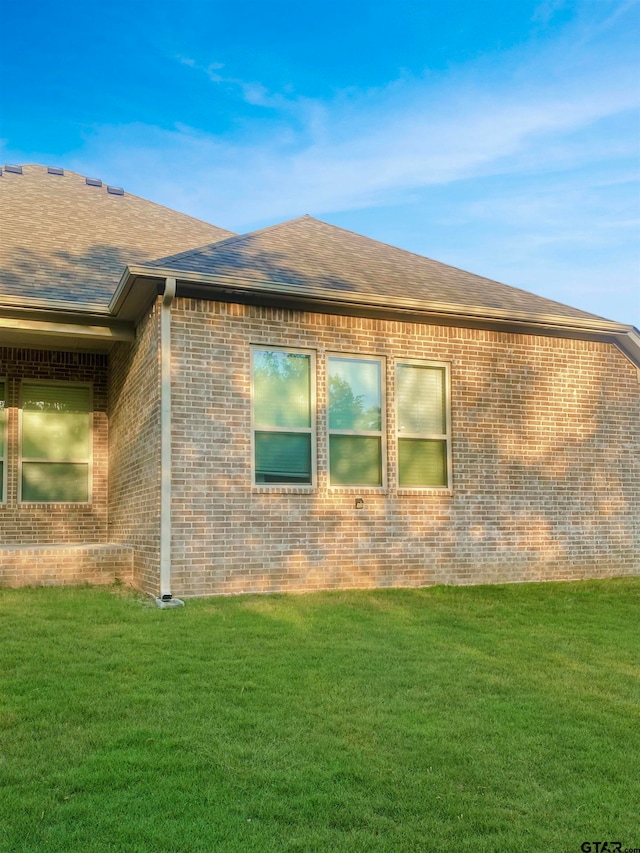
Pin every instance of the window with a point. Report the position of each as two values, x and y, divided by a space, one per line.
3 440
422 418
56 443
283 420
283 416
355 421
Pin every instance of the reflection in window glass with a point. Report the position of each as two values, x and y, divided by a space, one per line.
282 417
355 421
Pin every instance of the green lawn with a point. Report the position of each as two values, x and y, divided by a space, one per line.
470 719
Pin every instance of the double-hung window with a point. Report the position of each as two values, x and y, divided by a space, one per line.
56 442
356 424
423 425
283 416
3 440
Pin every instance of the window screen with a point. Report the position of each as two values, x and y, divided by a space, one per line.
355 421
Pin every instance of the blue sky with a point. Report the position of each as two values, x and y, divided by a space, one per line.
500 136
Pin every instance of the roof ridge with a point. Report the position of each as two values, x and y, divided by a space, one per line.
129 194
278 225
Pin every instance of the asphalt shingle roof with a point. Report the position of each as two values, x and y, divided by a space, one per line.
63 240
308 253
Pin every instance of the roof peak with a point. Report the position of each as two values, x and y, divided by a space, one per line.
237 238
309 255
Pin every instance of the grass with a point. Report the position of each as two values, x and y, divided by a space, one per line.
485 719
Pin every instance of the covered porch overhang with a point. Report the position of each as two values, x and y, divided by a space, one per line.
66 328
53 340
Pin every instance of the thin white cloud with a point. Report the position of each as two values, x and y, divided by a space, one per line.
252 92
619 9
547 9
366 148
276 171
564 109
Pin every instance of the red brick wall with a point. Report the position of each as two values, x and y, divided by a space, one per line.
546 462
39 524
134 450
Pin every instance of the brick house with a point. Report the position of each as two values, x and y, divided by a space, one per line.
298 408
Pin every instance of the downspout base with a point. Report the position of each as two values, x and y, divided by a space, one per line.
169 601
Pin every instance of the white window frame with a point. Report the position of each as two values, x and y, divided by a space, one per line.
61 383
4 432
446 436
381 433
311 430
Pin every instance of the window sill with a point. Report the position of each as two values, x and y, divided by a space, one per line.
49 504
283 490
437 491
357 490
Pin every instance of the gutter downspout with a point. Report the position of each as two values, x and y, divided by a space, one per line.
166 599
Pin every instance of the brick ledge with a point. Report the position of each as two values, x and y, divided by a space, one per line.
57 565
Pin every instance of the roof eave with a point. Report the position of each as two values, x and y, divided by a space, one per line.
31 303
331 297
629 343
139 285
127 302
